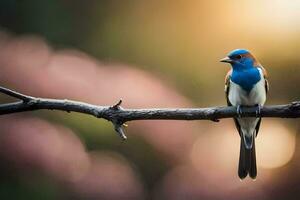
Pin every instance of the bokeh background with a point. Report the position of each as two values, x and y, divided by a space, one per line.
150 54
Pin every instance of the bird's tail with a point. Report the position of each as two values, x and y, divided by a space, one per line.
247 161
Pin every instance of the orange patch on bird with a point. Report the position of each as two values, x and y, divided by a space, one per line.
255 61
228 76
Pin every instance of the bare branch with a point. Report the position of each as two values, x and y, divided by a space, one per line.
118 116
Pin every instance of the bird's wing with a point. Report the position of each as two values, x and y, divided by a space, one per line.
266 78
227 88
267 87
227 85
265 73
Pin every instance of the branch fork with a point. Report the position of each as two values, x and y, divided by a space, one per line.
116 122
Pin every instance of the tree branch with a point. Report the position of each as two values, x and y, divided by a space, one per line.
118 116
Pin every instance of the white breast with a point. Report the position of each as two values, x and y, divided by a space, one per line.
238 96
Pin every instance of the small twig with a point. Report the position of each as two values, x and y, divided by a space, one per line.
120 131
15 94
117 105
118 115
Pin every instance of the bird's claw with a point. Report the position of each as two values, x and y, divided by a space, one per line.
258 110
239 111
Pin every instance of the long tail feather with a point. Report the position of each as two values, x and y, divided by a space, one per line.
253 168
242 170
247 161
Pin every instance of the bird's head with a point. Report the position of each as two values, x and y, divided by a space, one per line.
240 59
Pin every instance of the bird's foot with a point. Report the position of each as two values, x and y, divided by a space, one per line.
258 110
239 111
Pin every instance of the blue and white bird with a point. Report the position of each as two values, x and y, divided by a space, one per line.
246 85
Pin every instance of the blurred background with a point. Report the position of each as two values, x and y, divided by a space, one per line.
150 54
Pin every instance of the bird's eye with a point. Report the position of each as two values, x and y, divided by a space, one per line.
237 57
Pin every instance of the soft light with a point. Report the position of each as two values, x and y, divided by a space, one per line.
269 15
275 144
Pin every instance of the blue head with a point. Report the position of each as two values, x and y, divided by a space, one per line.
240 59
245 72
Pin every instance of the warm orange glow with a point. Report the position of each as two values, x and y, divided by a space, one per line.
215 157
275 145
271 15
217 150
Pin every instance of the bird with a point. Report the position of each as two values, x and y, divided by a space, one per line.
246 85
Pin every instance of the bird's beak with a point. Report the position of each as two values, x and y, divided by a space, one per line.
226 60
